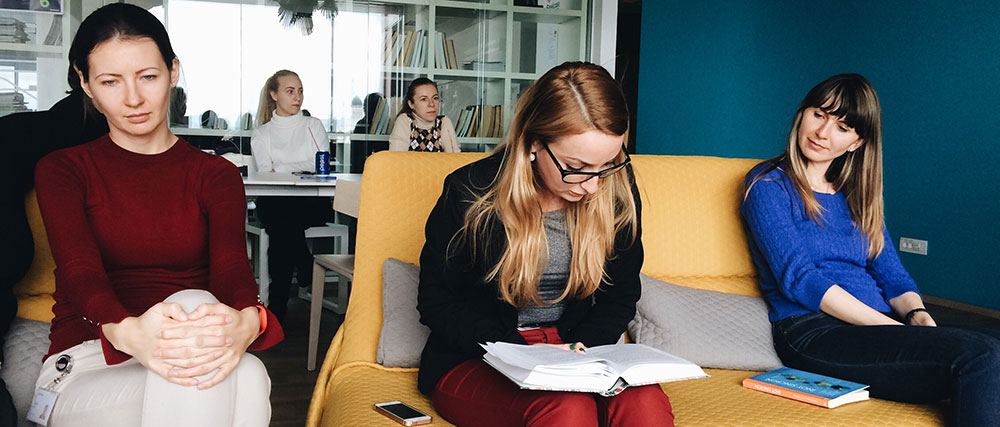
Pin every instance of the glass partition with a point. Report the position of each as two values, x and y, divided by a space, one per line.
355 66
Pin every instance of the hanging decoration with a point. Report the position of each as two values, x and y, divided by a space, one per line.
300 12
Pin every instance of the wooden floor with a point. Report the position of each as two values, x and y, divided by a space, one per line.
292 384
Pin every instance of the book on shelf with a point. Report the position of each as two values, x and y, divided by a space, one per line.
498 123
460 121
606 370
480 121
487 124
416 60
452 59
392 107
384 116
385 123
816 389
444 52
420 54
407 48
373 129
474 121
461 127
415 51
388 48
382 119
439 45
401 43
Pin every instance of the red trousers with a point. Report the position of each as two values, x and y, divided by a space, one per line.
475 394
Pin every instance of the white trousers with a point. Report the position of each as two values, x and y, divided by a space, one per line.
128 394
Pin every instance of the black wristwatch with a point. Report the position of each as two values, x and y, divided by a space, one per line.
911 313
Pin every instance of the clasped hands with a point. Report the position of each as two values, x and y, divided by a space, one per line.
181 347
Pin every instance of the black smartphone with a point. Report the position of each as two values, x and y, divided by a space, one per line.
402 413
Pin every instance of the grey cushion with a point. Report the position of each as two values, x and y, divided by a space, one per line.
403 336
25 345
711 329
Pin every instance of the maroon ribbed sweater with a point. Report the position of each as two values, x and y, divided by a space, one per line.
128 229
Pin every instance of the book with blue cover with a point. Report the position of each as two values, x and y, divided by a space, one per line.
808 387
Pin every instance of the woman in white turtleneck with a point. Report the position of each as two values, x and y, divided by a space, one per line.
287 141
418 126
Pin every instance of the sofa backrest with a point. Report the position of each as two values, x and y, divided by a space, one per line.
398 190
34 291
691 227
692 231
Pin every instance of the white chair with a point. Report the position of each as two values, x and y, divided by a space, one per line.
331 230
346 199
254 229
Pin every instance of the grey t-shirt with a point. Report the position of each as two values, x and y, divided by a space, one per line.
553 280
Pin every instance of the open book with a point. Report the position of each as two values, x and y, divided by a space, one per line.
606 370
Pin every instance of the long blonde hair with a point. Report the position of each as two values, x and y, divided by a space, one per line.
569 99
267 104
858 173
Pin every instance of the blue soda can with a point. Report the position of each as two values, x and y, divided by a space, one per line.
322 163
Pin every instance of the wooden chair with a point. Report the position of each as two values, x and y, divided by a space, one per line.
345 200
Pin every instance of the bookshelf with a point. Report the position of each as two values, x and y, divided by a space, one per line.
498 50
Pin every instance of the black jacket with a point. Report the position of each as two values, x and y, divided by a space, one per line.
462 310
26 138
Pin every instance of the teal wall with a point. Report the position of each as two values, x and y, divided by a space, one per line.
723 78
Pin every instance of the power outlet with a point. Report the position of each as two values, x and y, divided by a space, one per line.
913 246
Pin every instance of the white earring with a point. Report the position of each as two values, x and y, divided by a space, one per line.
531 156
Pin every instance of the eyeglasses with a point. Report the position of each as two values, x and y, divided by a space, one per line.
577 177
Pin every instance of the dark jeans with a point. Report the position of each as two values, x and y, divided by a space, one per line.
901 363
286 219
8 414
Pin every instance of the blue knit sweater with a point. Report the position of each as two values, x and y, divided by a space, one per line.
798 260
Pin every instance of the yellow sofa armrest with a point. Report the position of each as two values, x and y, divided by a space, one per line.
34 291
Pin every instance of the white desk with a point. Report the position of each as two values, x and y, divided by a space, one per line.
286 184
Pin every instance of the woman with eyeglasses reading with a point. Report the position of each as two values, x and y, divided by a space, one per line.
539 243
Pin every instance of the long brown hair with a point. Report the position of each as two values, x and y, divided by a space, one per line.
858 173
570 99
268 104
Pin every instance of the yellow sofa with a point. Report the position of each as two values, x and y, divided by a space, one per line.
34 291
692 235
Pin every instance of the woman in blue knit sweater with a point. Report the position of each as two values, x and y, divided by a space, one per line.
841 303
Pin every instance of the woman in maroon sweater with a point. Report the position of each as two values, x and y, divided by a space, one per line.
147 235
